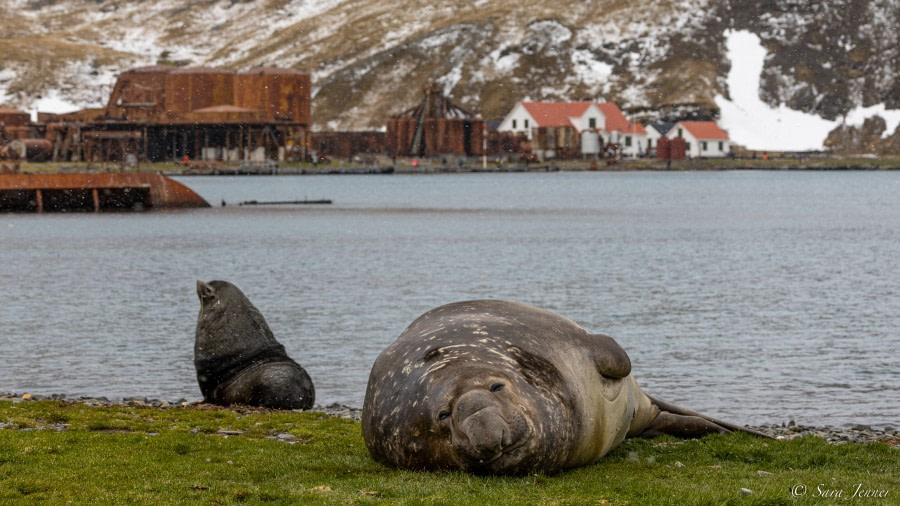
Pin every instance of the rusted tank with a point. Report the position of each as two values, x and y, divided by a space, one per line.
455 141
189 112
476 133
671 149
345 144
139 94
191 88
13 117
33 150
19 132
506 143
390 137
662 148
94 192
280 93
436 126
399 135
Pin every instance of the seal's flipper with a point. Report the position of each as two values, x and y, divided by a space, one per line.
610 359
682 422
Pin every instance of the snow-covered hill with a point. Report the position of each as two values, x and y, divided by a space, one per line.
370 58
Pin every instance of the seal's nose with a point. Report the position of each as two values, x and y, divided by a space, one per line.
487 431
480 420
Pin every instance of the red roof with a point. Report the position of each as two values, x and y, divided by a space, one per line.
555 114
705 130
615 120
634 128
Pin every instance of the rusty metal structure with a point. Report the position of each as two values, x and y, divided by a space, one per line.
13 118
557 142
347 144
671 149
166 113
508 144
94 192
436 126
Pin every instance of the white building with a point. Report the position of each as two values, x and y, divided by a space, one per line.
704 139
632 140
604 117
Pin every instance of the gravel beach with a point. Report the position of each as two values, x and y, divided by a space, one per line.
783 430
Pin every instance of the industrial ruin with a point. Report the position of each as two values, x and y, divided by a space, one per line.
167 113
254 118
436 126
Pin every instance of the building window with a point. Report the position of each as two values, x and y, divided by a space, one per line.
721 146
514 124
592 122
679 132
649 143
627 140
526 124
703 145
687 147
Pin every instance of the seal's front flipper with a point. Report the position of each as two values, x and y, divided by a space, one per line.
682 422
609 358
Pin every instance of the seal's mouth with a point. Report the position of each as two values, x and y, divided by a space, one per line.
504 451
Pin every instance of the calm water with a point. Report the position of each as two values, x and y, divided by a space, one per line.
753 296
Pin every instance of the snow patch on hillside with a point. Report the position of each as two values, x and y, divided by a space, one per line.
53 102
755 125
588 69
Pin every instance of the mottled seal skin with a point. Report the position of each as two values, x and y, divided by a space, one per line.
237 358
495 387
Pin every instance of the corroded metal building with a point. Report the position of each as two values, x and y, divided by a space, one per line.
436 126
200 113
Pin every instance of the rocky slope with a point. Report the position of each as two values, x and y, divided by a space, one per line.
370 58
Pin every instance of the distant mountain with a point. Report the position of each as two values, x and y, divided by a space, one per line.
370 58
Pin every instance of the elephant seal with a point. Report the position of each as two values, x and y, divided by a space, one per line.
495 387
237 358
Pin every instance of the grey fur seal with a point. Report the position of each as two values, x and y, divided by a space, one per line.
495 387
237 358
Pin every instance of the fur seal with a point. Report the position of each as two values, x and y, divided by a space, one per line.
237 358
495 387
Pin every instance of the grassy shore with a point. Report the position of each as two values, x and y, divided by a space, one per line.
57 452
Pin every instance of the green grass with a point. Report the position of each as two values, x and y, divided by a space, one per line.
178 455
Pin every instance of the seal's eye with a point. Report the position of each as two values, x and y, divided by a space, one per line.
496 387
443 415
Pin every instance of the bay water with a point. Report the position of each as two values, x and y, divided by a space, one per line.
756 297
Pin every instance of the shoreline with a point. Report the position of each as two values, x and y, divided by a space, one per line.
857 433
382 165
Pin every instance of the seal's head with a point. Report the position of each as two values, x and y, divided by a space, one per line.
227 319
445 396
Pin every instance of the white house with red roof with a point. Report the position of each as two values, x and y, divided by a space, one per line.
632 140
704 139
526 116
603 117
